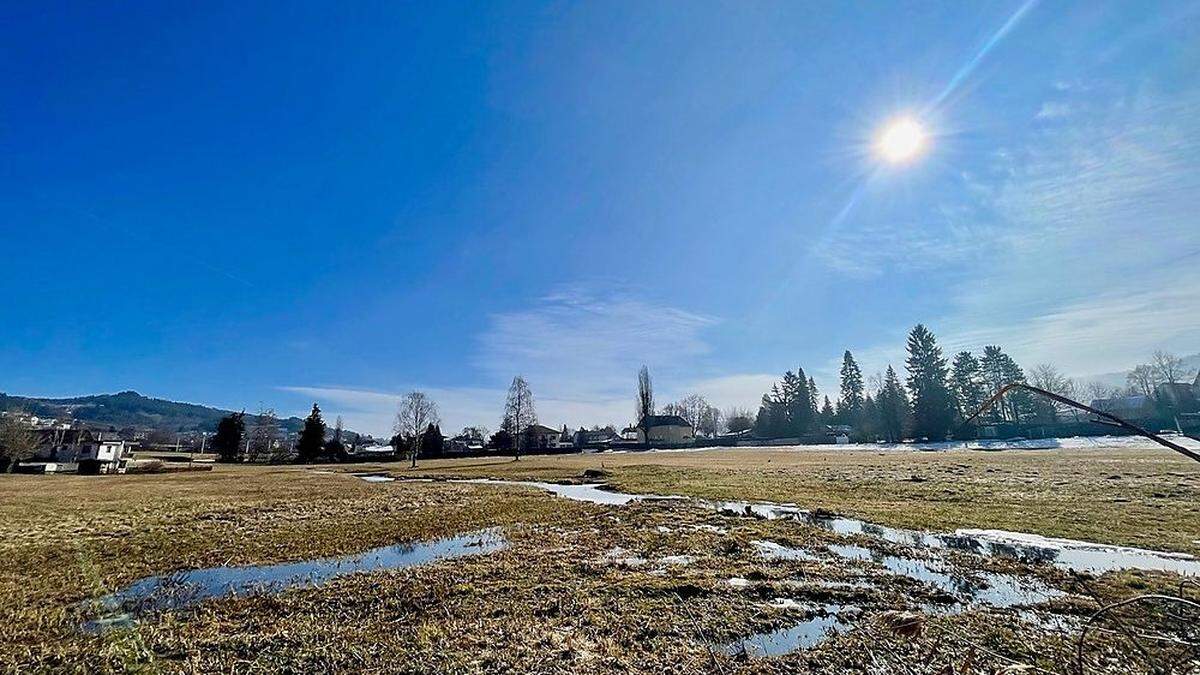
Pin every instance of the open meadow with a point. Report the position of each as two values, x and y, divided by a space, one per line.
543 583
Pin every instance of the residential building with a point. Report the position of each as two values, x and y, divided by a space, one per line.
540 436
98 455
1136 407
665 430
1178 397
593 437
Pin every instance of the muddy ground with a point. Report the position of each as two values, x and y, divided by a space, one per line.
649 586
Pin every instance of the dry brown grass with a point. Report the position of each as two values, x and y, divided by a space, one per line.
552 601
1148 498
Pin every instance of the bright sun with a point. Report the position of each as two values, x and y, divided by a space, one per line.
901 140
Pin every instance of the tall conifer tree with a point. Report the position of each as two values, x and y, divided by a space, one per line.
312 437
851 401
932 404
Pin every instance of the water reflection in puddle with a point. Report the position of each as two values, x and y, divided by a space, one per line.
183 589
803 635
595 493
1075 556
375 477
991 589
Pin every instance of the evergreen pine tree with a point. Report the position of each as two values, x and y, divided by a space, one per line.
788 400
827 414
999 369
966 381
869 424
800 415
893 409
312 437
763 423
814 400
432 441
227 442
851 401
932 404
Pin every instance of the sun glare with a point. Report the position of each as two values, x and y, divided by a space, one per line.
901 140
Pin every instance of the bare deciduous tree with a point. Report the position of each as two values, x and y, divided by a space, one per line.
479 433
264 438
1141 380
645 397
1046 376
415 414
1170 368
704 418
519 413
1097 390
18 441
738 419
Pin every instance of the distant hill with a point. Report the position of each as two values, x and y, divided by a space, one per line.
130 409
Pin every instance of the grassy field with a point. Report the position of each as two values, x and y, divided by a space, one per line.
1148 498
581 587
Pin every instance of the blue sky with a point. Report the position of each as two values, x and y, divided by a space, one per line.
245 205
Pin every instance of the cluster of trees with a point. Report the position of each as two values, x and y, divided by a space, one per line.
705 418
264 441
1164 368
418 430
932 401
791 408
418 426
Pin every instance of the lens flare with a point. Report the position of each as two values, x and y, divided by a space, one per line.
901 141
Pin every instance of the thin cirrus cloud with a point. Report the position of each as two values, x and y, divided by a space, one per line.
1083 238
580 349
588 343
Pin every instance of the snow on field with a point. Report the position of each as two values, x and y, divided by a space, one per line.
1072 443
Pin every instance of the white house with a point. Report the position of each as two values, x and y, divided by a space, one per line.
103 456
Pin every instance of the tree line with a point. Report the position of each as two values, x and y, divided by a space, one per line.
939 393
935 396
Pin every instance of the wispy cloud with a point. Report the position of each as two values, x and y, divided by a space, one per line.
580 349
1086 234
582 343
1053 109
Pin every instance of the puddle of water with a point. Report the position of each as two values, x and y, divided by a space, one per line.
1079 556
375 477
1075 556
803 635
184 589
991 589
1067 554
585 492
